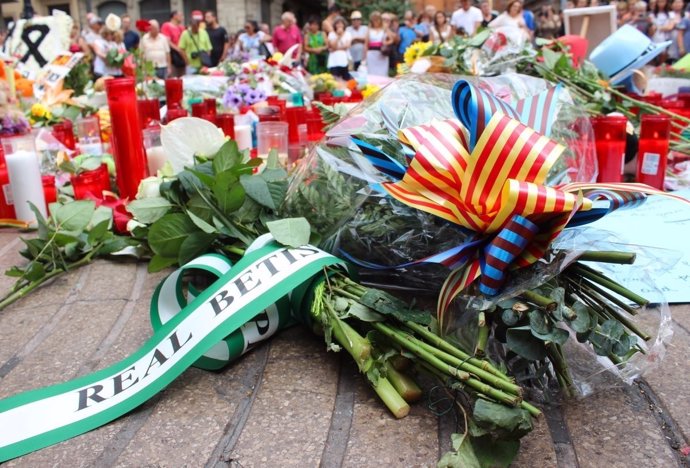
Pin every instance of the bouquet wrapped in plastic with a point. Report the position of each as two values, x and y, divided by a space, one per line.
468 209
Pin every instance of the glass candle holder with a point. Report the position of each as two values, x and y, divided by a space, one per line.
154 149
273 136
198 109
89 135
88 184
149 112
226 122
652 153
127 141
174 93
296 116
211 106
49 190
609 135
173 114
64 133
24 173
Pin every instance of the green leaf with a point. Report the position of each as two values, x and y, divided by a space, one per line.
257 189
201 224
582 321
272 161
227 157
90 164
194 245
44 231
64 238
113 245
149 210
293 232
74 216
102 213
159 263
387 304
501 421
167 234
206 179
363 313
493 453
35 272
15 272
462 455
521 341
198 206
229 193
550 58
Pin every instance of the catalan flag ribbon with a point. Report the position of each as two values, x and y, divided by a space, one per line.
486 172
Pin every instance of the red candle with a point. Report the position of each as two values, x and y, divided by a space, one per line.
211 107
296 116
199 109
173 93
314 125
609 134
105 177
6 205
127 140
226 122
64 133
88 183
149 112
652 153
49 190
173 114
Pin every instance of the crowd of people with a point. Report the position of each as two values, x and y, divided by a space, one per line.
341 43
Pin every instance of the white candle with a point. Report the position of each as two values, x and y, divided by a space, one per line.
156 159
243 137
25 180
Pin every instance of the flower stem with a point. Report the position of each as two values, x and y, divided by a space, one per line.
602 280
608 256
403 383
482 335
444 345
391 398
588 287
545 302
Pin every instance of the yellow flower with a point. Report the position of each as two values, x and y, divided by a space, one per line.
369 90
415 51
31 121
48 115
38 110
278 56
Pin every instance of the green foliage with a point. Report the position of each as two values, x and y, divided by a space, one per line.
78 78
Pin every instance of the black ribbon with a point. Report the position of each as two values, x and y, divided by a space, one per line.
32 45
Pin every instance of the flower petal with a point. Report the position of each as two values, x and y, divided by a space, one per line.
183 138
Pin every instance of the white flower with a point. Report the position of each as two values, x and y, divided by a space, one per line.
132 224
149 188
183 138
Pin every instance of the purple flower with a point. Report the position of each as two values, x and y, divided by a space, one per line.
244 88
231 99
261 95
252 97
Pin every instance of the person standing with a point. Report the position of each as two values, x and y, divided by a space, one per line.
287 34
466 19
423 27
338 45
194 41
328 22
512 23
488 15
173 30
358 34
102 45
251 39
549 23
156 48
664 24
441 30
316 45
131 38
407 33
377 38
218 36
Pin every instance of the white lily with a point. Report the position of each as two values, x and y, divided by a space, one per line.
188 136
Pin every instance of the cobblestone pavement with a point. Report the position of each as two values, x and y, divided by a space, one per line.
290 403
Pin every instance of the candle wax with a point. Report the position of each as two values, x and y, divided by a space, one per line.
611 159
243 137
26 183
156 159
651 162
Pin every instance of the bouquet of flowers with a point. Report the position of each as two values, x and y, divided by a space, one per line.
242 94
322 83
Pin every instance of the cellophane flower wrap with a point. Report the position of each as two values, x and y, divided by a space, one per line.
339 190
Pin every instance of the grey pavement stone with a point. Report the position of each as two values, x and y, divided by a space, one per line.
60 355
536 448
17 327
109 280
610 430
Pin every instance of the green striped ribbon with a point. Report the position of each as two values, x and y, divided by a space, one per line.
38 418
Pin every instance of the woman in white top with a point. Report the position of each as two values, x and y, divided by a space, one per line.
378 38
440 30
101 46
251 39
339 41
512 23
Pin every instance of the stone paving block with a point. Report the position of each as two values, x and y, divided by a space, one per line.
286 428
17 327
409 442
536 448
670 380
109 280
185 425
61 354
608 429
56 291
317 374
681 315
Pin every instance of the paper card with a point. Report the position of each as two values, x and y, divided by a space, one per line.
662 223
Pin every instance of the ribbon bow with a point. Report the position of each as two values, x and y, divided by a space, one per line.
485 172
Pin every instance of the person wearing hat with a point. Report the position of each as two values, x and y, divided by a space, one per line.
93 31
358 34
193 42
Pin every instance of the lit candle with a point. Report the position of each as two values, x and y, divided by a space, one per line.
652 154
156 158
26 183
243 137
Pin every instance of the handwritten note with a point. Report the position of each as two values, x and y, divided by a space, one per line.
663 224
